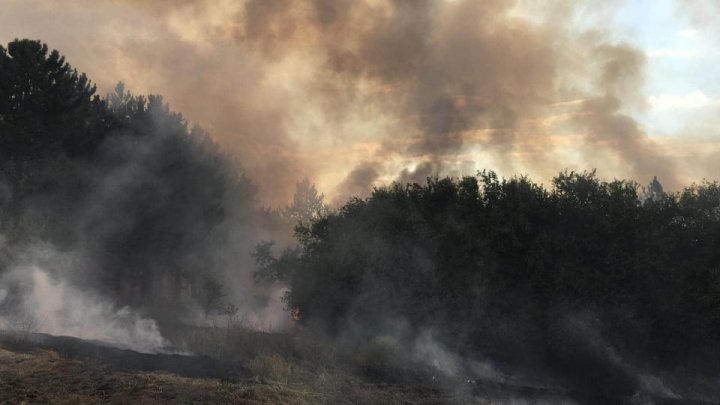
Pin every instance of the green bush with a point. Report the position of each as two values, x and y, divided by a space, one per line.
493 264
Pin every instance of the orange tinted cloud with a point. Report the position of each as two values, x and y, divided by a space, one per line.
355 93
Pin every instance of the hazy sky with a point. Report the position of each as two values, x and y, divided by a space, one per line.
358 93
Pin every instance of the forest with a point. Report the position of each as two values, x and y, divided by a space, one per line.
593 282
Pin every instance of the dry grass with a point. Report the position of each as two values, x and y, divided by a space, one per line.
45 377
305 369
284 369
48 378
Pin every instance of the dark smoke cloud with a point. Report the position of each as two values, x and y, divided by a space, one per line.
448 69
317 88
621 77
359 182
419 174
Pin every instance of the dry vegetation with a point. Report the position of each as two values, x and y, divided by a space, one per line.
270 368
297 368
47 377
281 373
308 368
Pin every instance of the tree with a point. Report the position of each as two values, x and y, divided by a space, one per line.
274 269
123 181
46 106
51 124
496 265
307 204
655 190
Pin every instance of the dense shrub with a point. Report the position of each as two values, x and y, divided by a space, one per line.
505 265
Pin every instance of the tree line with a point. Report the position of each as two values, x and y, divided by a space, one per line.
141 199
580 278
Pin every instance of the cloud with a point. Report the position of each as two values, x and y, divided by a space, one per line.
694 99
678 53
688 33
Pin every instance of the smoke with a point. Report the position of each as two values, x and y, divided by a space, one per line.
351 94
619 82
359 182
583 332
32 299
329 90
427 350
579 366
418 174
156 231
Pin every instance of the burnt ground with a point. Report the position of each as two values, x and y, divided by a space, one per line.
40 368
46 377
43 369
125 360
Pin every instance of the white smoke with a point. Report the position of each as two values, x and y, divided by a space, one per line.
271 317
430 352
35 299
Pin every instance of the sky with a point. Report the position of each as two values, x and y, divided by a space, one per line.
355 94
682 82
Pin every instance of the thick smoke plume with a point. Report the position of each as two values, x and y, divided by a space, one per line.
35 296
352 93
53 307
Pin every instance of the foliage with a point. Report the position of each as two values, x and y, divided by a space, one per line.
46 106
122 180
270 268
307 204
476 256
